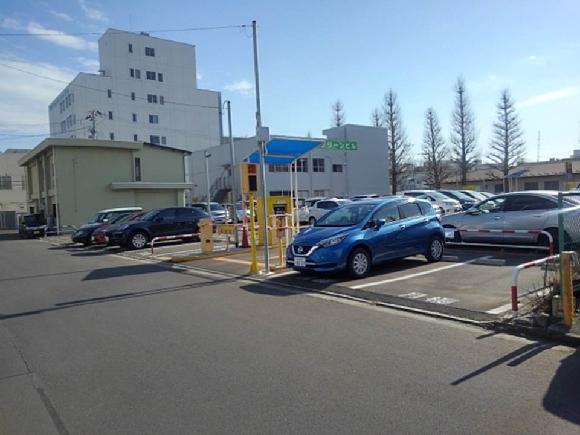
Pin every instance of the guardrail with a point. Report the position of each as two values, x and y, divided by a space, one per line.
549 248
515 274
178 236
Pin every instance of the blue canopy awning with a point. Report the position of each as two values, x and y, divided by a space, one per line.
283 151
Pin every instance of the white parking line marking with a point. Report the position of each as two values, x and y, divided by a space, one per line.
414 295
440 300
414 275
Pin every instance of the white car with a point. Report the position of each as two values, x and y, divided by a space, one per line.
320 208
448 205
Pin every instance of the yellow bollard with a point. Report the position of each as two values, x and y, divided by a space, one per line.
567 289
206 235
253 247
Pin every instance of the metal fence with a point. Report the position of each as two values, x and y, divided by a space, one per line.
569 221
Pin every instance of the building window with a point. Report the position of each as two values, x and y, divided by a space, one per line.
278 168
5 182
161 99
63 126
151 98
336 168
137 73
552 185
134 117
302 165
131 72
150 75
153 119
319 192
160 77
130 48
112 136
163 140
149 51
109 93
110 115
317 165
531 185
135 137
154 139
29 184
137 169
133 96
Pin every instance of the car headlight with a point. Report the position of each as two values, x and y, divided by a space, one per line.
331 241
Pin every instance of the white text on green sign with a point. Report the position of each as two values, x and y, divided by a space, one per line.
339 145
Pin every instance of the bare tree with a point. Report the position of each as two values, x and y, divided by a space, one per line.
376 120
435 151
338 115
397 145
507 146
462 138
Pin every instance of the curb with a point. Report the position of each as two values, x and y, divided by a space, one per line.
186 258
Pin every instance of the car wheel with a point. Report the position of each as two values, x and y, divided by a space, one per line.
312 221
359 263
435 249
138 240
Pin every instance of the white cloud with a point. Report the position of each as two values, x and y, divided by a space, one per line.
60 38
92 12
24 98
92 64
12 24
61 15
549 96
242 86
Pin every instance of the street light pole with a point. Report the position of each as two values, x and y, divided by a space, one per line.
207 156
262 149
233 179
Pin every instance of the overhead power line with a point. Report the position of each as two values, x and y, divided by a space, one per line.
104 91
187 29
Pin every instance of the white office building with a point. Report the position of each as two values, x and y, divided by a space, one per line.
324 171
146 91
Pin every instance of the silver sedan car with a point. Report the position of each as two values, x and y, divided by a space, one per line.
529 210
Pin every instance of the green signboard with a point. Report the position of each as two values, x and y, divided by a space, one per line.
339 145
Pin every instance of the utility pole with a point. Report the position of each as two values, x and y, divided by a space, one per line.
262 150
92 116
207 156
233 178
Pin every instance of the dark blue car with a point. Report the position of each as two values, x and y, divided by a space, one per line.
358 235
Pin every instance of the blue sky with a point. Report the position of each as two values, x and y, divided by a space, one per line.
313 52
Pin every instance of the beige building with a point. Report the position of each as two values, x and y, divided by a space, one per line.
70 179
551 175
12 188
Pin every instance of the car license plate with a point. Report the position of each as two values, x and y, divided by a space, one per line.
36 233
449 233
300 261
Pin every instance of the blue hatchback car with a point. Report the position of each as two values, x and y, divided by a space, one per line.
358 235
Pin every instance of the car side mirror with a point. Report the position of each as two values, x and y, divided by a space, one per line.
105 221
379 223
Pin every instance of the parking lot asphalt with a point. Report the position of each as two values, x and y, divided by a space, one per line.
472 279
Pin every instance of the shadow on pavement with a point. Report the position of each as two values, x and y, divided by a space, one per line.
512 359
118 271
563 396
115 298
44 275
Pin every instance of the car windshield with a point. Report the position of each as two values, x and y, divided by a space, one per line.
438 196
456 194
33 220
149 215
118 218
216 207
346 216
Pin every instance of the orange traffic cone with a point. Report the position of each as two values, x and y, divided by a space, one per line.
245 243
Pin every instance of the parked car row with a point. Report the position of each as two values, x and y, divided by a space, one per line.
134 228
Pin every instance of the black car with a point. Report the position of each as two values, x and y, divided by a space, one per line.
84 234
174 221
466 201
32 226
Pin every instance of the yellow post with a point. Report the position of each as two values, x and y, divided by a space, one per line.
567 287
206 235
253 247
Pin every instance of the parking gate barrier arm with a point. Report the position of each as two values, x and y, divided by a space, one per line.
515 274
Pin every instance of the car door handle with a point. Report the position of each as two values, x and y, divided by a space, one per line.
402 226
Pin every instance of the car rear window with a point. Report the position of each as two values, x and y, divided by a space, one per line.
425 207
408 210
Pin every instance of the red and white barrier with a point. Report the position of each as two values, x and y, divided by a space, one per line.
550 246
178 236
516 272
